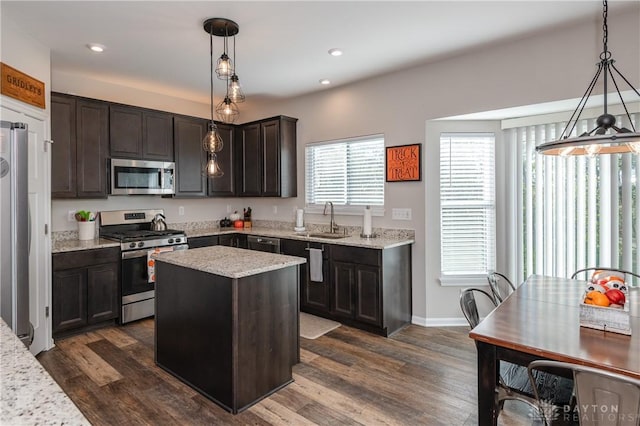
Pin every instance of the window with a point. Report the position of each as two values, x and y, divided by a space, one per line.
467 205
577 211
347 172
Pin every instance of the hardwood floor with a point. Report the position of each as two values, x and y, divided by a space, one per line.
419 376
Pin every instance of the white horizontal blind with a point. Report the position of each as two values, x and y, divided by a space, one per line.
346 172
467 203
586 210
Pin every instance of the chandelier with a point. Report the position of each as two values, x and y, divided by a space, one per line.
606 137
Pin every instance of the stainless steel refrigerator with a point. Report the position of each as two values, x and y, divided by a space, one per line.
15 225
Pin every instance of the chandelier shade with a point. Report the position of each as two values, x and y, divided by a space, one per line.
227 111
606 137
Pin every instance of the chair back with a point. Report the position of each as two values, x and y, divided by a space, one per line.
500 285
603 398
470 307
631 278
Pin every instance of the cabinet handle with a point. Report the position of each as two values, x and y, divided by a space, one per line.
307 249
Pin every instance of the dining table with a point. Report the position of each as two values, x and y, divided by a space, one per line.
541 320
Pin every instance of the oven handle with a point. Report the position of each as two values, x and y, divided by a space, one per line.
143 253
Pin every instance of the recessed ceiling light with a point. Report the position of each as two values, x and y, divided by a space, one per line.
94 47
335 52
325 81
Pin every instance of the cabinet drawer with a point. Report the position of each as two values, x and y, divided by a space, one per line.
83 258
205 241
301 248
361 256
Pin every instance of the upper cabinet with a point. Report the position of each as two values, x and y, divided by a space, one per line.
267 158
191 159
141 134
80 131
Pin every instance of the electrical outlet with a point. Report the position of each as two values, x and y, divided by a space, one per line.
71 216
228 208
181 211
275 209
401 214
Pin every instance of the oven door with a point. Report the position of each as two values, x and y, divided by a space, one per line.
135 277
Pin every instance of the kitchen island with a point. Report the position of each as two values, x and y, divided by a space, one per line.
227 321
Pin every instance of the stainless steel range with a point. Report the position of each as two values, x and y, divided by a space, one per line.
138 244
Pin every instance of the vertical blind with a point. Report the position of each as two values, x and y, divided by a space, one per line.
467 203
346 172
576 211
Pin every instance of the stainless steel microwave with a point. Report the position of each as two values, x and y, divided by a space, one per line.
129 177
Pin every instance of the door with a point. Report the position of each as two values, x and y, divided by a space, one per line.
157 136
92 148
224 186
270 134
342 294
102 292
367 287
63 152
251 161
189 156
39 206
125 132
69 299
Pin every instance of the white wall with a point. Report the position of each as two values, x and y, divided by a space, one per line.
552 66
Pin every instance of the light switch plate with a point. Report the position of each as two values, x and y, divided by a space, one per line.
181 211
401 214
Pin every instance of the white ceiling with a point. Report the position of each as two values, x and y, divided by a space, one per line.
282 46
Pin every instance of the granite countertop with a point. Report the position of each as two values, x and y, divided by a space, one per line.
229 261
74 245
28 394
381 242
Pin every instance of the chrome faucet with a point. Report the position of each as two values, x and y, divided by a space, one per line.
333 228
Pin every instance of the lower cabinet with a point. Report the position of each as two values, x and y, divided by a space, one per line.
204 241
233 240
364 288
85 288
314 295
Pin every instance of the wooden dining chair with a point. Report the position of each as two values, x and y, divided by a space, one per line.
514 373
631 278
602 397
500 286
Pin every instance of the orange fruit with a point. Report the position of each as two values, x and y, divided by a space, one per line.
596 298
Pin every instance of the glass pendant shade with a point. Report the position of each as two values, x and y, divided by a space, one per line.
227 111
224 68
213 168
236 94
212 141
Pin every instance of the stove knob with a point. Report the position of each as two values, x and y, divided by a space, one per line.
132 245
170 240
178 240
140 244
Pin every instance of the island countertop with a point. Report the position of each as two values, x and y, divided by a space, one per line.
229 262
29 395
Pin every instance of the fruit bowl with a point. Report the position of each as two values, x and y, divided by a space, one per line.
612 317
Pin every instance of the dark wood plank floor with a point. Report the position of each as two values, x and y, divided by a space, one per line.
420 376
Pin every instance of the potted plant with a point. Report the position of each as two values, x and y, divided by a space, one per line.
86 224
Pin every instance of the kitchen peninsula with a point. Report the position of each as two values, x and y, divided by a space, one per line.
227 321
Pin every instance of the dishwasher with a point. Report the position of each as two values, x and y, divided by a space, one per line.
269 244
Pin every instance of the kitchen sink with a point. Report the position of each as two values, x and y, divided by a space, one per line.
327 235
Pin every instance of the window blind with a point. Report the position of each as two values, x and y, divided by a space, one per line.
467 203
576 211
346 172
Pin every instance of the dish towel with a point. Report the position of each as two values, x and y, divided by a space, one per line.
315 265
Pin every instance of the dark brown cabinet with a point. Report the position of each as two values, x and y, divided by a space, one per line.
267 158
233 240
191 159
140 134
314 295
204 241
80 131
85 288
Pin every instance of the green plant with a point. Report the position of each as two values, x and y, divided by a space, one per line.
83 216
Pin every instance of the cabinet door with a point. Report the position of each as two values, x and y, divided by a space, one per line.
92 133
343 275
102 292
63 150
157 136
270 146
225 186
250 160
190 158
125 131
368 306
206 241
69 298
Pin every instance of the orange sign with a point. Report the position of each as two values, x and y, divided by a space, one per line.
404 163
20 86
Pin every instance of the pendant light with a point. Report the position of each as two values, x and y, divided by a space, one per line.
606 137
224 68
212 141
236 94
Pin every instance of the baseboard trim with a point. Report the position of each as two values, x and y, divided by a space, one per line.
439 322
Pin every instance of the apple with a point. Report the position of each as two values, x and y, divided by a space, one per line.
615 296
